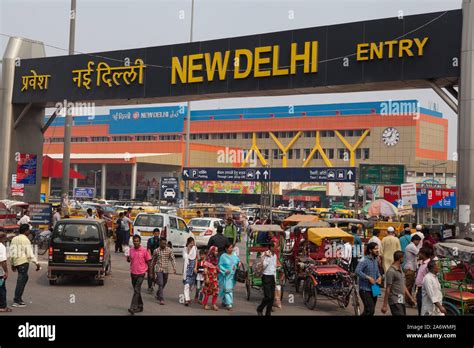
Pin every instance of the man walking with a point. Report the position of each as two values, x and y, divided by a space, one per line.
268 281
218 240
230 231
21 254
126 222
56 216
368 272
396 290
139 259
424 256
160 264
432 297
405 239
390 244
410 265
3 274
152 244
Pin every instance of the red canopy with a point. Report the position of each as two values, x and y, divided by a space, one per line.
54 169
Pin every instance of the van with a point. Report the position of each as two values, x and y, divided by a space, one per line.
79 247
173 228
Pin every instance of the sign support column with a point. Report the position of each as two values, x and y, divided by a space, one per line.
103 181
133 187
465 165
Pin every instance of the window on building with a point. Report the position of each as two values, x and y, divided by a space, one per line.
316 155
79 139
329 153
330 134
341 153
323 134
57 140
358 132
349 133
420 175
275 153
358 153
265 153
366 153
297 153
259 135
220 136
306 153
290 154
149 137
291 134
247 135
213 136
121 138
307 134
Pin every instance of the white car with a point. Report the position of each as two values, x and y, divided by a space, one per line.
204 228
172 227
169 193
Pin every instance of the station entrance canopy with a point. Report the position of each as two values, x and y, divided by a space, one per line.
390 53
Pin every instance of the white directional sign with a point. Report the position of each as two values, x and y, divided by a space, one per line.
408 192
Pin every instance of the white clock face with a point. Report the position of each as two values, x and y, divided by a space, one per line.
391 136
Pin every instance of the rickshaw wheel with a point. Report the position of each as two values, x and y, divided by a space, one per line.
356 302
297 284
247 287
282 285
451 309
309 294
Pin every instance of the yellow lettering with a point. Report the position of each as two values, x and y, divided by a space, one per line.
237 73
276 70
194 67
314 56
390 45
295 57
376 50
362 48
404 46
420 45
217 60
176 68
259 60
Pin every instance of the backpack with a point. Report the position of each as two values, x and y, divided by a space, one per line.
257 267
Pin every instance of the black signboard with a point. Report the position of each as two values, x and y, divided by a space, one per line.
40 213
169 188
333 174
408 51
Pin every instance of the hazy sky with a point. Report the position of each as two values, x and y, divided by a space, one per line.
104 25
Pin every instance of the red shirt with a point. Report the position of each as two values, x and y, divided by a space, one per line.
139 260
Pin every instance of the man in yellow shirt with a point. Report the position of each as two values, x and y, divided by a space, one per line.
390 244
21 254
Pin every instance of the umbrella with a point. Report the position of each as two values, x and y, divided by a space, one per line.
381 207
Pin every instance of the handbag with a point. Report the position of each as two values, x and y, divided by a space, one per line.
375 290
240 274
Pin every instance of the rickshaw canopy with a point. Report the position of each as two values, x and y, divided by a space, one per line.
316 235
309 224
301 218
265 228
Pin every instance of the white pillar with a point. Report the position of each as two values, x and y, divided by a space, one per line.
133 187
103 181
74 181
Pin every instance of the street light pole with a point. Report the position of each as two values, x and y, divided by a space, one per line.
68 120
188 121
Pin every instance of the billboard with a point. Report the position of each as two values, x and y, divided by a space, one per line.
84 192
147 120
427 198
26 169
237 187
340 189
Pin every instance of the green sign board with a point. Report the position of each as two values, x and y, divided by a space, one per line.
381 174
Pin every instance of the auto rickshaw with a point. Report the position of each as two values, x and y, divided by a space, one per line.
255 248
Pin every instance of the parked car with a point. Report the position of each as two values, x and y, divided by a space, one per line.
172 227
79 247
204 228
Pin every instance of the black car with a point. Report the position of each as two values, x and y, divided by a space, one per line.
79 247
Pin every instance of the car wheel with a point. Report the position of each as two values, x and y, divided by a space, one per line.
53 282
100 282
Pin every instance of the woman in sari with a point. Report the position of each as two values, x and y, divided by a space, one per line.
211 285
227 266
189 276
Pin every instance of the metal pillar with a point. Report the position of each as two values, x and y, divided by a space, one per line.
68 123
103 181
465 164
12 139
133 184
187 159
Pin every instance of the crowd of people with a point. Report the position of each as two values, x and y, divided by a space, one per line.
407 267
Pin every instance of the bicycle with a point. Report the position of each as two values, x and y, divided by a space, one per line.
41 239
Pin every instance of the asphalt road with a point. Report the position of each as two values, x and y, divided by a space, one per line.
72 296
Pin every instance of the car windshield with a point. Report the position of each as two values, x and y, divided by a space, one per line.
199 223
76 233
149 221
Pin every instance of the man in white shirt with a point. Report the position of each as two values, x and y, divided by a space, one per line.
89 215
432 297
25 219
418 232
3 274
347 255
56 216
410 265
268 281
126 222
375 239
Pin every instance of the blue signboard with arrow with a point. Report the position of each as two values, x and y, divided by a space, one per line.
314 174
